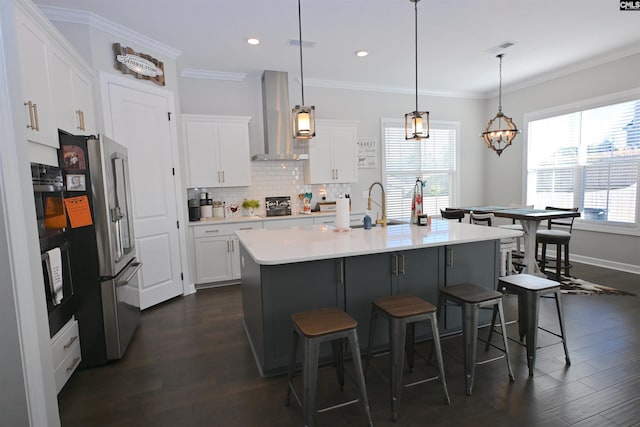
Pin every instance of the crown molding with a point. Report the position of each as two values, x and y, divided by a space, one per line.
335 84
193 73
91 19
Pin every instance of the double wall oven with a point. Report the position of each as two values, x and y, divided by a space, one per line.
55 242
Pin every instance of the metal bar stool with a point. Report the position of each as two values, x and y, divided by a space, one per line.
530 289
315 327
472 298
403 311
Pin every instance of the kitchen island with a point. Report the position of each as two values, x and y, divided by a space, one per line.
300 268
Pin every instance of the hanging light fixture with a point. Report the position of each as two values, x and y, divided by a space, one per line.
304 118
416 123
500 130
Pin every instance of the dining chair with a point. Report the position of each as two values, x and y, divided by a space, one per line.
506 245
517 253
450 213
558 233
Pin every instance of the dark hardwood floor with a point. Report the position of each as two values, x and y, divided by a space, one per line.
190 364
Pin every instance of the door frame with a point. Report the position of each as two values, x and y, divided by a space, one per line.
180 198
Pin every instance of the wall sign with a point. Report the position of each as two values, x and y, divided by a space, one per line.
367 152
141 65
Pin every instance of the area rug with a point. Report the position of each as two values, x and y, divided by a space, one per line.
574 286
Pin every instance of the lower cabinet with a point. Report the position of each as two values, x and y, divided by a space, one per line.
65 353
368 277
217 252
475 262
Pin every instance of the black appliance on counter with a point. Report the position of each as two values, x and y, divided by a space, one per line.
55 242
102 251
278 206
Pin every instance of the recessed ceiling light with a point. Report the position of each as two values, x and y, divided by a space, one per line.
362 53
253 41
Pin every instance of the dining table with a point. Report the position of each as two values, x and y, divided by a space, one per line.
530 220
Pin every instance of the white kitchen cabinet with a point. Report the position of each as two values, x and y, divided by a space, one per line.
38 109
72 95
217 251
332 153
65 353
218 152
354 219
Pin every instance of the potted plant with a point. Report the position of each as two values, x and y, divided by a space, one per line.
251 206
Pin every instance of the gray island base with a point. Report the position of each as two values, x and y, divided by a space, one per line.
301 268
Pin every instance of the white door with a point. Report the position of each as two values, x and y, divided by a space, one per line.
138 117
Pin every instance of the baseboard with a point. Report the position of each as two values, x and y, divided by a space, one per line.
629 268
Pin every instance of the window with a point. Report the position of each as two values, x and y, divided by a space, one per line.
588 159
432 160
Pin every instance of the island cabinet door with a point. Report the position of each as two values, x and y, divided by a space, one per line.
476 262
288 289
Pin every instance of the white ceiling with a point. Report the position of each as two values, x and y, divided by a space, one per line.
550 37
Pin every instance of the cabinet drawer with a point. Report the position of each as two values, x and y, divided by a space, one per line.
224 229
68 366
63 342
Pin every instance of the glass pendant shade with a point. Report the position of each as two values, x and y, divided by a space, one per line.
500 133
416 125
304 119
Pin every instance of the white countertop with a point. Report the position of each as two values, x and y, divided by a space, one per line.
316 242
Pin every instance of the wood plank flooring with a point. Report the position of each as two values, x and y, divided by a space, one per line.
190 364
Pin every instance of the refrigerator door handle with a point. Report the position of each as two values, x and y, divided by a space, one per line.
136 267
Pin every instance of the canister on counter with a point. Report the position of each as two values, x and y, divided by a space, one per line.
218 209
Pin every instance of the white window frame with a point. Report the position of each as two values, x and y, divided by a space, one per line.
615 98
434 124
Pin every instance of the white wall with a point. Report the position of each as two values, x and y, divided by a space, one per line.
507 173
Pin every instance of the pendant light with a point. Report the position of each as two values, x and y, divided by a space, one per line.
416 123
500 130
304 118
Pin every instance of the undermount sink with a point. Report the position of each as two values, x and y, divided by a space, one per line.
390 223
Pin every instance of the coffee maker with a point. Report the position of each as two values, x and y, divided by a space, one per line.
194 210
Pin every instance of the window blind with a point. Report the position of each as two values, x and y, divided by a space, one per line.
588 159
432 160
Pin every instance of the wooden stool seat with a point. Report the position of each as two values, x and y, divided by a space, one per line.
471 298
403 311
315 327
404 306
470 293
323 321
530 289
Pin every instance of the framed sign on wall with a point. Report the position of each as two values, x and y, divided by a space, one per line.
141 65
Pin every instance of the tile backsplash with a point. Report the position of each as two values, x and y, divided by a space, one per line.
275 178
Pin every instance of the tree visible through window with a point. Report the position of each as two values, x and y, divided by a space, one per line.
433 160
588 159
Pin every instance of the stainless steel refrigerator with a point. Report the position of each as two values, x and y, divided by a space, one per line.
102 250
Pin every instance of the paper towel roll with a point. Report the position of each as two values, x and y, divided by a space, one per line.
342 214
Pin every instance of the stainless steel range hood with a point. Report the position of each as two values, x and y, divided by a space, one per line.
276 115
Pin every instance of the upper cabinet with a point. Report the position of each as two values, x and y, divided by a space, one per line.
332 153
56 83
38 109
218 152
71 94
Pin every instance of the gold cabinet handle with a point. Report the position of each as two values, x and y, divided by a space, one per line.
29 106
73 364
70 342
80 115
84 127
35 115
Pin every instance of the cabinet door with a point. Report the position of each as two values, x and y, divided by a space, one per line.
476 262
84 111
319 168
32 46
235 258
202 153
344 153
233 140
213 259
62 91
366 278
